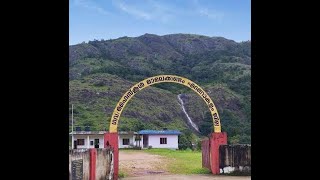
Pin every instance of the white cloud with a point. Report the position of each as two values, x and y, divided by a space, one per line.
133 11
147 10
91 5
152 10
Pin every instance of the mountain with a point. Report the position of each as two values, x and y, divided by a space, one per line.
100 71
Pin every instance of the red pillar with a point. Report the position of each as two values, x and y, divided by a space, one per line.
111 139
93 158
216 139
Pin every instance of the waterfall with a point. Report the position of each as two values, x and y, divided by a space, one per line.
185 112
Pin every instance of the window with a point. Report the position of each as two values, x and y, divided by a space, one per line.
96 141
125 141
80 141
91 143
163 140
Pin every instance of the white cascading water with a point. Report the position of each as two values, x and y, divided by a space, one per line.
185 112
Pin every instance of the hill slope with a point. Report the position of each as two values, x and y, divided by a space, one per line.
101 71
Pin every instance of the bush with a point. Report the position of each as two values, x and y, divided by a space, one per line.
199 145
185 140
149 147
122 174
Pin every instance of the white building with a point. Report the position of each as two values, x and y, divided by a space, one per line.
160 139
87 139
143 139
128 139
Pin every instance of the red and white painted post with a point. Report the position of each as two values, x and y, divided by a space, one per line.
93 160
216 139
111 139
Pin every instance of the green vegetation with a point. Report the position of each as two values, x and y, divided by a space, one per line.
188 140
122 174
206 124
101 71
182 161
185 139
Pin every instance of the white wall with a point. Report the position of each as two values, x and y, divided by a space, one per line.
172 141
131 140
124 136
91 138
101 140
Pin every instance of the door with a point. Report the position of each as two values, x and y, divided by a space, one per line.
145 141
96 143
75 144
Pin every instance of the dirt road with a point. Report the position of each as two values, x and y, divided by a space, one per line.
138 165
188 177
141 164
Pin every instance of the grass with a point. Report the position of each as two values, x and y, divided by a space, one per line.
182 161
122 174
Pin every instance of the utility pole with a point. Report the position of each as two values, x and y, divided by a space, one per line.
72 140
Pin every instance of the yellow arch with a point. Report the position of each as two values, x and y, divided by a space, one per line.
161 79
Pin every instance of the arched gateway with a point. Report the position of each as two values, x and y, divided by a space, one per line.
164 79
216 138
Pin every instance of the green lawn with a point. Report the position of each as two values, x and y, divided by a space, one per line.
182 161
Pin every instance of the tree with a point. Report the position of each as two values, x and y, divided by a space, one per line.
138 126
185 139
234 139
206 125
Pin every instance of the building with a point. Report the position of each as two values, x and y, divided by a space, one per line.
144 139
128 139
87 139
160 139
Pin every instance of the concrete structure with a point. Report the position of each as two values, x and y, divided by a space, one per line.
94 164
144 139
111 141
210 151
129 139
205 148
95 139
160 139
87 139
235 159
84 157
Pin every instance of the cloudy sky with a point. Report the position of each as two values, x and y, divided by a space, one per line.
110 19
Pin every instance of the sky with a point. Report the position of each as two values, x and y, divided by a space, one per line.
111 19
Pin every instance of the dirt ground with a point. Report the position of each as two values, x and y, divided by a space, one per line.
144 166
188 177
141 163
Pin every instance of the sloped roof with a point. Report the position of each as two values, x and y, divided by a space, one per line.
127 132
168 132
102 132
88 132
